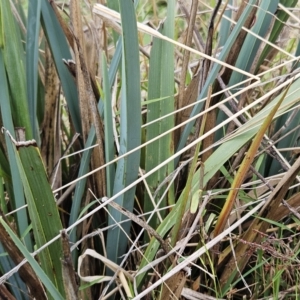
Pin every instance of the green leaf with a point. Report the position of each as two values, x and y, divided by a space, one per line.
81 185
252 43
6 266
15 185
130 130
161 86
52 290
42 208
281 18
108 129
248 53
60 50
85 160
247 131
213 164
13 53
32 57
1 29
162 230
225 26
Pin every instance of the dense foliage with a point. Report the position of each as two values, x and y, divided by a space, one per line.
149 149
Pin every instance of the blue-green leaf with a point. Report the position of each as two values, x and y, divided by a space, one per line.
130 130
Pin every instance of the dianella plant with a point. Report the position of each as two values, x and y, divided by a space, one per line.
149 149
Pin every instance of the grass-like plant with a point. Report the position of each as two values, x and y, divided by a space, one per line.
149 149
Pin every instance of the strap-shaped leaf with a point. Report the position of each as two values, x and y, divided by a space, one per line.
32 57
13 54
108 129
130 130
15 186
161 85
34 264
42 208
60 50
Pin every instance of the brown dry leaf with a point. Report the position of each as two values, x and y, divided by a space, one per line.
69 276
88 113
279 214
186 54
173 286
50 143
5 293
87 101
196 284
78 51
268 211
189 96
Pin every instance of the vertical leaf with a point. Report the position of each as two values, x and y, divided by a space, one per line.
225 26
84 163
32 57
130 130
161 85
108 129
60 50
18 194
14 60
42 208
81 185
252 43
